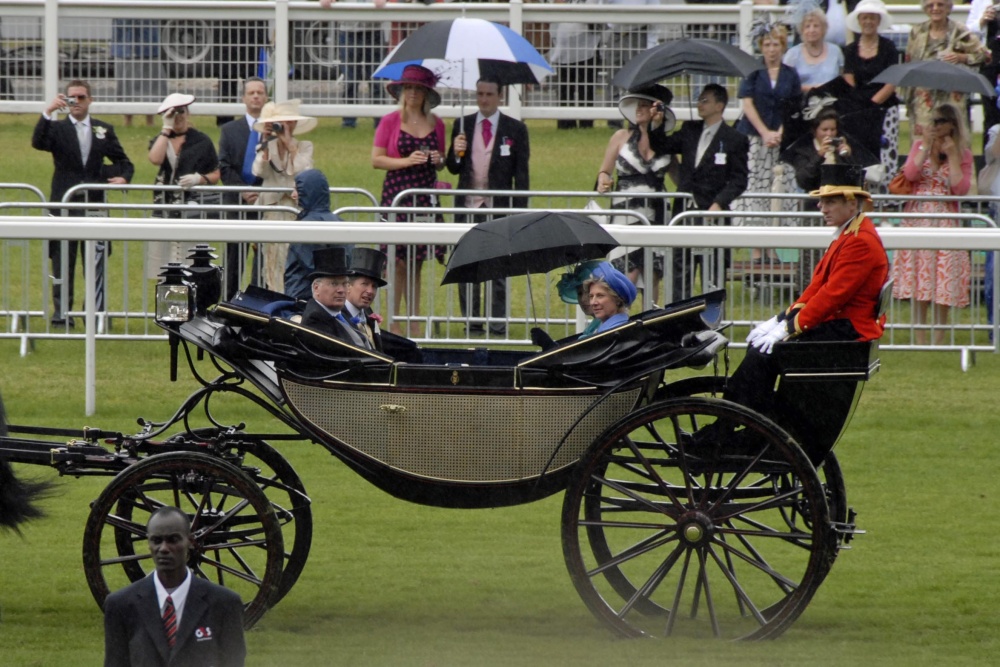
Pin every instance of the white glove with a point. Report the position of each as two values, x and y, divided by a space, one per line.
766 342
762 329
189 180
168 120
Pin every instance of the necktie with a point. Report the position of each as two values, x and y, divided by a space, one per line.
706 138
249 156
366 332
356 338
170 621
83 134
487 131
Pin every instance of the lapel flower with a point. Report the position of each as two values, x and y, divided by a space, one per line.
376 317
99 131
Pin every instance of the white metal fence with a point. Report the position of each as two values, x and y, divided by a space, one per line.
133 53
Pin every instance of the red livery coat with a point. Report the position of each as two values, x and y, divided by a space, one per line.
846 283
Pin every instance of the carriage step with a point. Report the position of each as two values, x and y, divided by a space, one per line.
846 530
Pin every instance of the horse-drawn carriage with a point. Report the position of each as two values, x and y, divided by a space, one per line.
663 532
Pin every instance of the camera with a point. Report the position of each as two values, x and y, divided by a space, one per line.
657 106
836 142
277 128
71 100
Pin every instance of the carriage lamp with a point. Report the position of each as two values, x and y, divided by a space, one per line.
205 276
175 295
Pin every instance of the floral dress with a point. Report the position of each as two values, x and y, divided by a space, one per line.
415 176
941 276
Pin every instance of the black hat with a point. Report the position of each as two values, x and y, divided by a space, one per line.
370 263
329 262
844 180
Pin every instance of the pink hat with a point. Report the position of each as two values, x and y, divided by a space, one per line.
421 76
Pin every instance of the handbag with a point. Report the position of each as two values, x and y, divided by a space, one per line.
900 185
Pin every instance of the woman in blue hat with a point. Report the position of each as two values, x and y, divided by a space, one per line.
611 294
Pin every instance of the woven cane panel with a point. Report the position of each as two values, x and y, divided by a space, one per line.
458 437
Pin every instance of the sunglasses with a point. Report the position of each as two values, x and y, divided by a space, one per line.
941 121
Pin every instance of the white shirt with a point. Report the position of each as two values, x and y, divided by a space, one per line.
707 135
179 596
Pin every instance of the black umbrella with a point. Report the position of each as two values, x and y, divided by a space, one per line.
534 242
684 56
936 75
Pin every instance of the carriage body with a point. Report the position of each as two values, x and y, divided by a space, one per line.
651 514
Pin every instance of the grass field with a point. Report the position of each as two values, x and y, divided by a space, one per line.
390 583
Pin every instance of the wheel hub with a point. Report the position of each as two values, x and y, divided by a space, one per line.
695 528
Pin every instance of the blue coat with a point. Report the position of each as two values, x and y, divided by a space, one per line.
774 105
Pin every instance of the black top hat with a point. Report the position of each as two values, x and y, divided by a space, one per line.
329 262
845 180
370 263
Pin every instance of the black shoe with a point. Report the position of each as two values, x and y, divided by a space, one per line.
498 331
475 330
63 322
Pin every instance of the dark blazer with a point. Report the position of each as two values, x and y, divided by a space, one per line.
316 317
507 172
210 633
233 138
59 138
709 182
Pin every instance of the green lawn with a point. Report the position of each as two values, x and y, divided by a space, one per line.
391 583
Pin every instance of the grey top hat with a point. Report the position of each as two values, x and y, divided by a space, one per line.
370 263
329 262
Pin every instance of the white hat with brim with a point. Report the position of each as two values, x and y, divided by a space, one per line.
869 7
627 107
285 112
174 101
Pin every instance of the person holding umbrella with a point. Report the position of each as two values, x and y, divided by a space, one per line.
409 145
940 163
939 38
491 155
864 59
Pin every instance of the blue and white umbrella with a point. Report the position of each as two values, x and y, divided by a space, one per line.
461 51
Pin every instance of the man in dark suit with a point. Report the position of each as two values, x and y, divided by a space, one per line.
367 267
84 150
713 169
237 148
329 294
496 158
172 617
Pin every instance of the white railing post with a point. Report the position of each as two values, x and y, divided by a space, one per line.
746 20
50 64
514 101
282 38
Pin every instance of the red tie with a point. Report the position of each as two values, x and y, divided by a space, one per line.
170 622
487 131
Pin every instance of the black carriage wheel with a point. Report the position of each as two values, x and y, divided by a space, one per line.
236 534
829 471
671 528
280 483
276 477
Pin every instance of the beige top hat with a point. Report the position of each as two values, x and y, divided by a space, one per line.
284 112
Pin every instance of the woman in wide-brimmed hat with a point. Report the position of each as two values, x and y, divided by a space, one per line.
279 160
409 146
186 157
640 168
864 59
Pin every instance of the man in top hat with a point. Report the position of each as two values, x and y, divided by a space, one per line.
841 301
367 266
330 280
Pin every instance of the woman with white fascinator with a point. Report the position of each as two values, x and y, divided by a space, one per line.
186 157
279 159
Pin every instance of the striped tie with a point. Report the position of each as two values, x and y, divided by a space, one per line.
170 622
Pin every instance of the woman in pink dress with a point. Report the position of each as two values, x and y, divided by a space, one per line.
409 146
940 163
